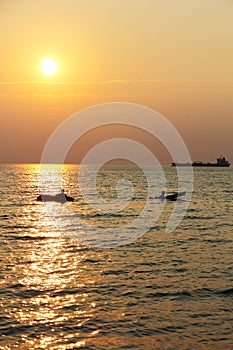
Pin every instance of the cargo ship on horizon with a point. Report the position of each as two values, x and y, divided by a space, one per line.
221 162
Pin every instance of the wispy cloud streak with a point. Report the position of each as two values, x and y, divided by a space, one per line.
26 82
38 82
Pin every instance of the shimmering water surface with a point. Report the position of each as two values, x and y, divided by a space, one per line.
161 291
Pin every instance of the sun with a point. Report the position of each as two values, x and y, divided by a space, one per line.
49 66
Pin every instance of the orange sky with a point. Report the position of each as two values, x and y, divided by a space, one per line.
174 56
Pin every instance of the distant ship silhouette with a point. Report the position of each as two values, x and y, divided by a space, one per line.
221 162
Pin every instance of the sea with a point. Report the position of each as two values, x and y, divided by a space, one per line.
63 286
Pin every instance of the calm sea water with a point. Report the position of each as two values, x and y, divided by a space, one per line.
161 291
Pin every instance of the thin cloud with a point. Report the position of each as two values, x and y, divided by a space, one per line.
126 81
21 82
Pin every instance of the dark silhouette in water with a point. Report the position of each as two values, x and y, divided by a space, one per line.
171 197
221 162
60 198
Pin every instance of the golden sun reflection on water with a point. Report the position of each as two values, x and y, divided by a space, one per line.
53 277
54 293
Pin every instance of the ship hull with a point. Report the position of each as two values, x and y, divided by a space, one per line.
221 163
181 164
210 165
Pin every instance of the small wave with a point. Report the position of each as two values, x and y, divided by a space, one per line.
228 291
3 217
12 288
107 215
183 294
30 238
224 224
193 294
216 240
31 293
114 272
19 226
196 217
17 205
193 210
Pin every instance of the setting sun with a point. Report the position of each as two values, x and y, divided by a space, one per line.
49 66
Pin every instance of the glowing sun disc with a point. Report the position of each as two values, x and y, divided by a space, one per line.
49 66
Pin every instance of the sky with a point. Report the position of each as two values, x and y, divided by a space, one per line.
174 56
